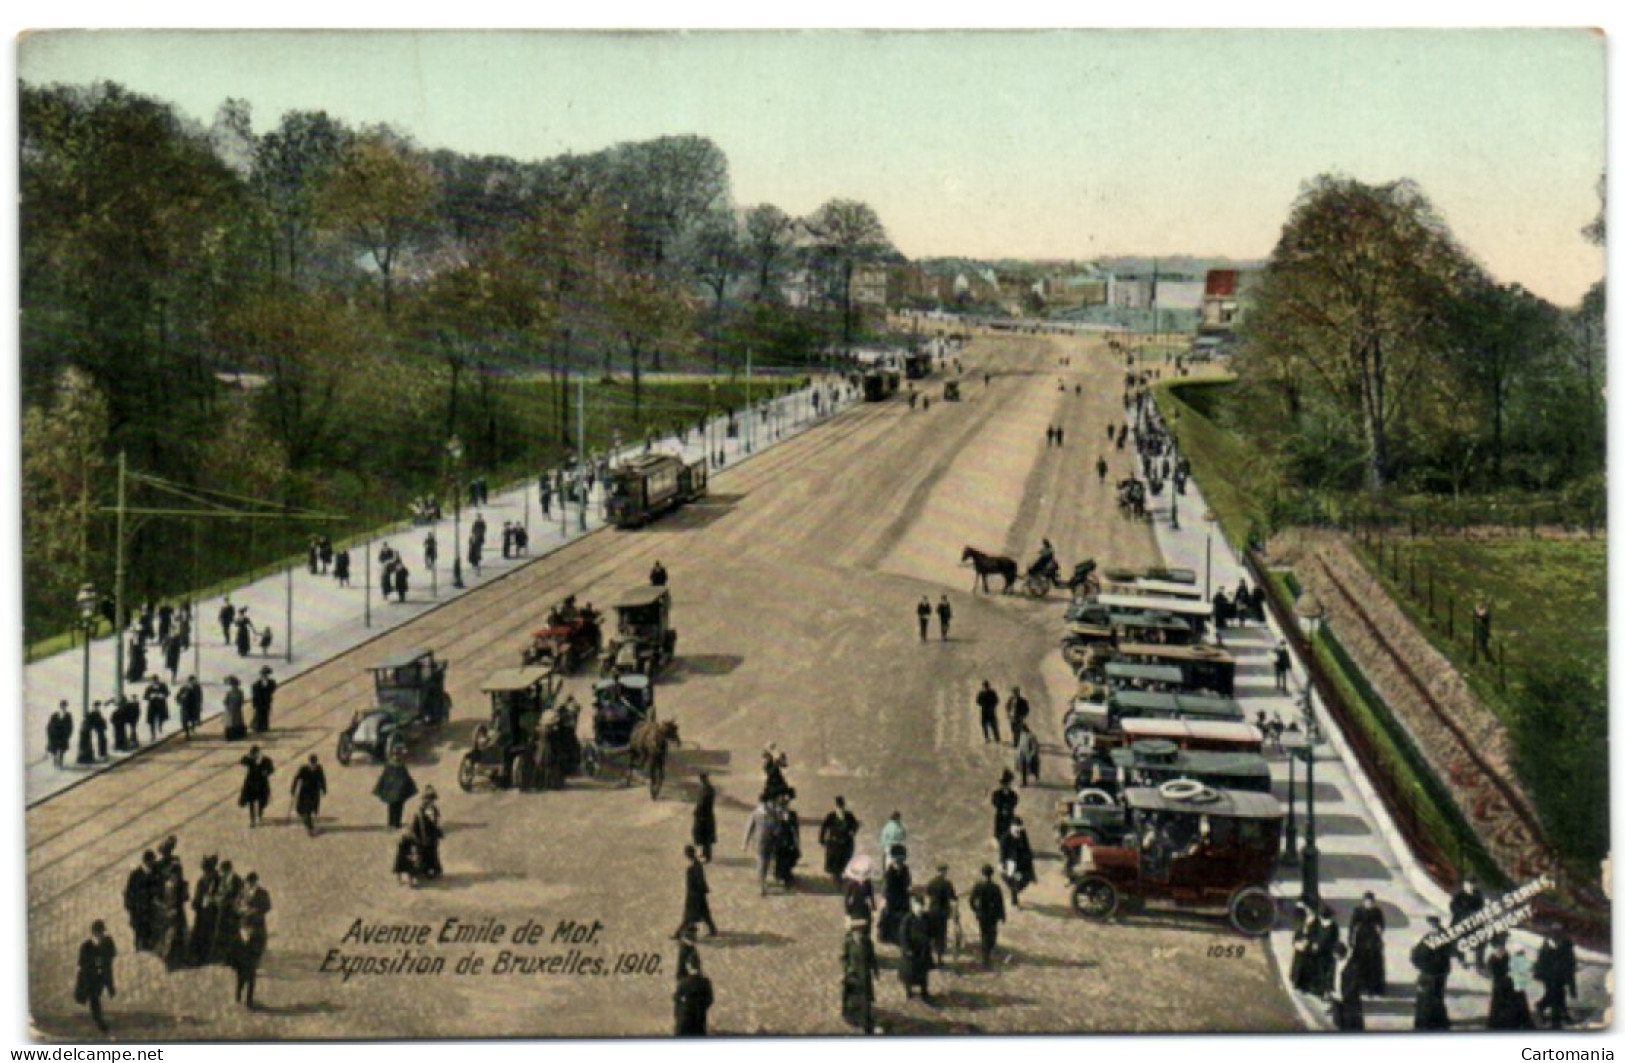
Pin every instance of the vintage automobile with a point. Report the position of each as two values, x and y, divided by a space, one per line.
1088 623
950 391
643 487
570 638
504 751
1201 667
1188 846
644 640
1198 615
1183 576
1220 736
1092 817
1147 588
1154 762
881 383
1091 721
409 694
618 705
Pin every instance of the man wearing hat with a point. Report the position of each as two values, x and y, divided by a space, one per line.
858 967
59 733
189 700
1432 963
95 972
264 691
309 786
691 1001
987 903
942 905
696 897
838 836
426 833
395 787
914 947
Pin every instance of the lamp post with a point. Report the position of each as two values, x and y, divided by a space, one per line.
1312 611
1207 580
454 454
86 601
1290 834
1173 436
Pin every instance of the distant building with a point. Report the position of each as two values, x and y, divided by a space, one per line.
1084 288
1223 301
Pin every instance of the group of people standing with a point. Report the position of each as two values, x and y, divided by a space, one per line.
945 616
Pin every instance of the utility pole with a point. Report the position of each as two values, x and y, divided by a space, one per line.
581 445
118 591
288 653
750 412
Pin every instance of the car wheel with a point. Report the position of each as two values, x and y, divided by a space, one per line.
1252 911
1093 897
346 748
590 761
465 772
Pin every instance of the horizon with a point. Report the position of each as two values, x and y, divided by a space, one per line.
1034 146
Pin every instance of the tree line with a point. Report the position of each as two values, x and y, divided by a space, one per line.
1379 354
306 313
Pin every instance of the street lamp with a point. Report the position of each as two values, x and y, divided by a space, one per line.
1207 580
454 453
86 601
1310 609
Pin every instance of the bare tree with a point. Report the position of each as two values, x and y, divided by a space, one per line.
847 234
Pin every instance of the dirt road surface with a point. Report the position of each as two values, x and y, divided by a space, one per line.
794 586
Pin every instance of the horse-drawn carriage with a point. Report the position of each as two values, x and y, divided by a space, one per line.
950 391
570 638
625 722
409 694
1131 498
530 741
1041 578
644 640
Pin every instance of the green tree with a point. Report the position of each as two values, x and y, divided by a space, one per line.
379 195
65 477
769 238
847 234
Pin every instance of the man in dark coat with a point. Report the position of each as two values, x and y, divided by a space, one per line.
696 897
135 660
987 700
1004 801
705 818
228 896
204 911
262 694
1017 709
256 791
126 721
1348 1010
252 911
395 787
1555 969
341 568
987 904
839 837
139 889
1326 942
96 955
94 728
59 733
174 646
166 621
309 786
941 908
691 1001
945 616
189 700
657 575
922 613
157 698
858 967
403 579
1366 927
1283 666
914 944
1432 963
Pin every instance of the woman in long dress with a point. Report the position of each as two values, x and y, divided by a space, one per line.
858 976
426 833
897 882
256 791
172 915
1366 926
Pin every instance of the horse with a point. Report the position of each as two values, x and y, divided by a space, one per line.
989 565
648 747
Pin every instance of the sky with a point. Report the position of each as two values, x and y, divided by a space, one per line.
1058 144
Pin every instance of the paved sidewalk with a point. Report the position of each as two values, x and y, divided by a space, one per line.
329 620
1360 849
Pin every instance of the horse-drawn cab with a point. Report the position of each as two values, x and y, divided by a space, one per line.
409 693
618 706
950 391
644 639
571 637
1190 846
505 749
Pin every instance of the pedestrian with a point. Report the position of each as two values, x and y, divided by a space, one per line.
325 553
166 622
403 578
1027 756
174 646
395 787
228 898
858 967
914 946
1348 1011
691 1001
704 831
1466 903
431 550
1283 666
1327 937
478 532
1016 854
786 840
244 632
313 556
96 955
696 897
760 829
189 703
309 787
922 613
1060 436
169 918
1509 1005
507 540
256 790
475 547
895 886
987 904
262 695
1017 709
427 832
236 728
1555 970
406 866
1481 632
341 568
987 700
140 887
135 663
126 723
1366 927
156 696
839 836
945 615
1101 468
59 733
250 947
203 912
893 835
94 728
1432 963
657 575
942 907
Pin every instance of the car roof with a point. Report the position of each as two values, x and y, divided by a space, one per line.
641 596
1150 603
402 659
1168 652
1208 762
509 679
1225 730
1156 673
1240 804
1173 700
